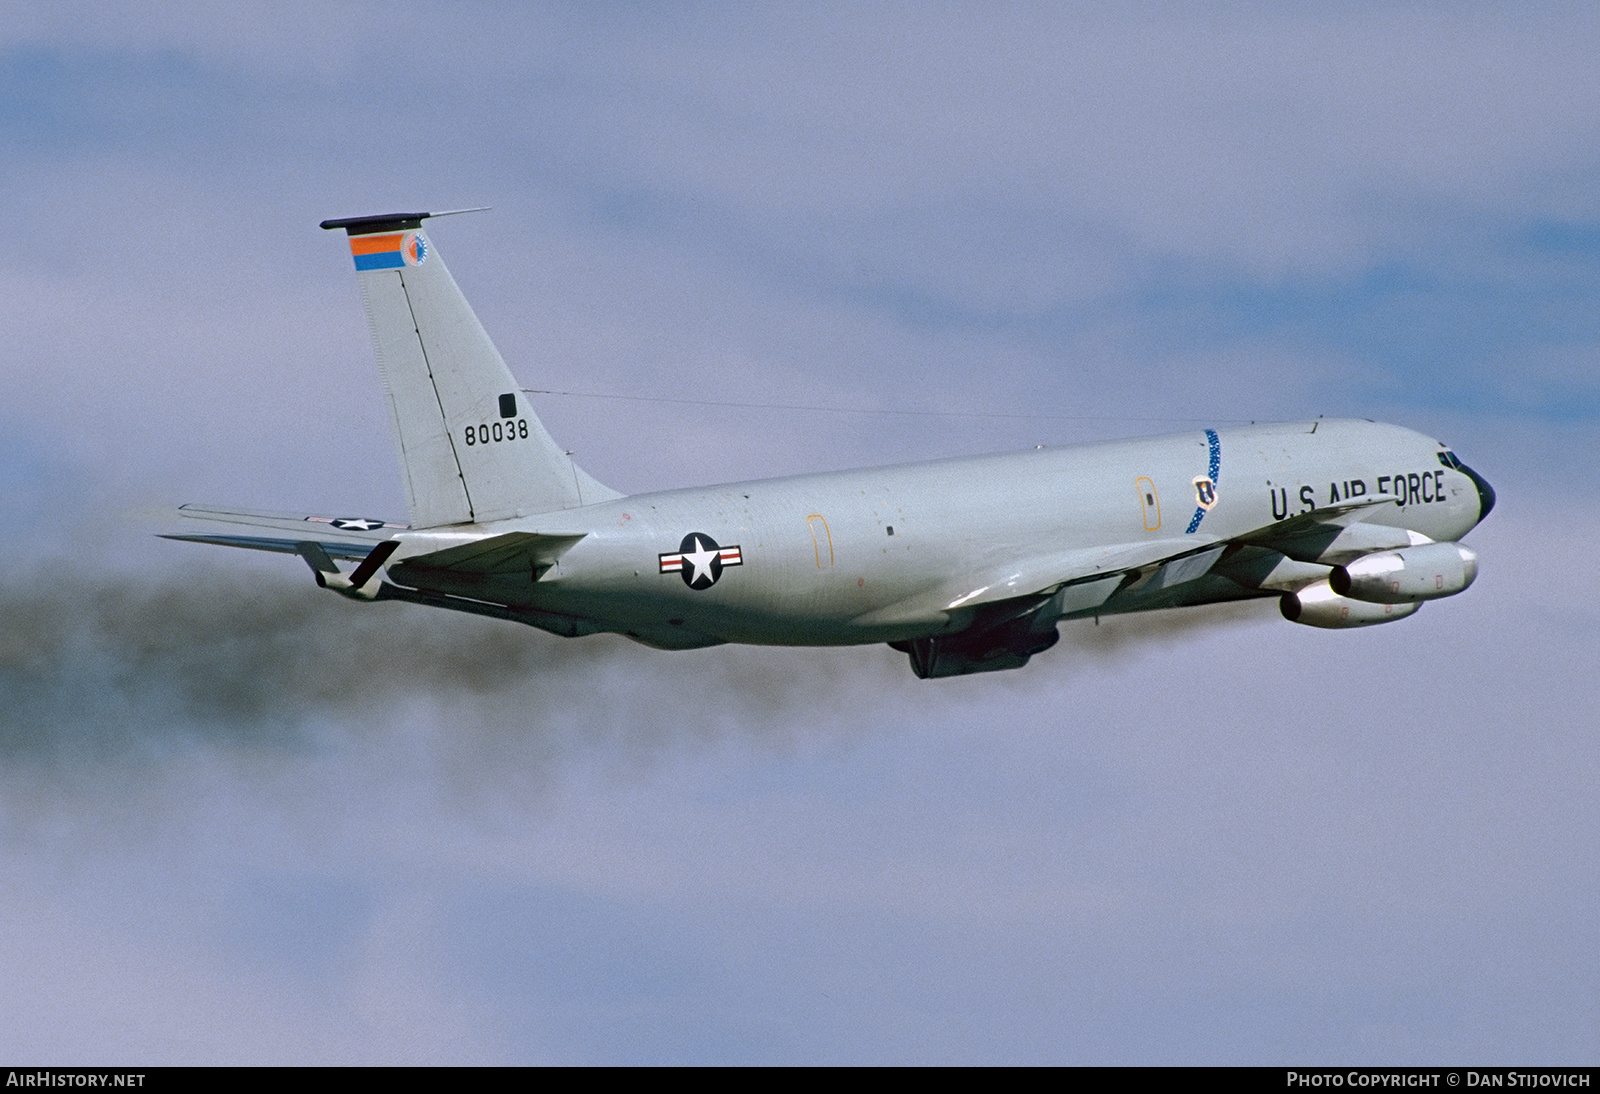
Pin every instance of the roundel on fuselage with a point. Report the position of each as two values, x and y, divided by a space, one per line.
700 561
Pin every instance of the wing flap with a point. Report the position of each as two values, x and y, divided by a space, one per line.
1187 567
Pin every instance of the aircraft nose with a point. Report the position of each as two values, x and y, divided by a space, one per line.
1485 491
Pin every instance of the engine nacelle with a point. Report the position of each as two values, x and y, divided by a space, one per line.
1425 572
1318 605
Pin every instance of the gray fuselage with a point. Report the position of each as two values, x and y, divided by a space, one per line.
823 559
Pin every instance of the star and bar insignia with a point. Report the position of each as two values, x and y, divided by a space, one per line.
700 561
356 524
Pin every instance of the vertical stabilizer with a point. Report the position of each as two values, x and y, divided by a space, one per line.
471 449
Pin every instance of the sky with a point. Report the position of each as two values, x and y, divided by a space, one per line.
244 822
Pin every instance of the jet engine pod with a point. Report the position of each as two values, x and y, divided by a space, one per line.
1408 575
1319 606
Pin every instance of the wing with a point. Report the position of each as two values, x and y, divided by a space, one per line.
1084 578
1099 570
1331 535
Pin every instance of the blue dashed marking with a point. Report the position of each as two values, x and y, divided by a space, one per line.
1214 443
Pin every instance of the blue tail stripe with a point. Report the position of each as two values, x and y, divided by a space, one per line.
383 260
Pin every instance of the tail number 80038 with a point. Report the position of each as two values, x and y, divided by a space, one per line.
487 433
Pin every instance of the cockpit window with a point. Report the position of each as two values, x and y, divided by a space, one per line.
1448 458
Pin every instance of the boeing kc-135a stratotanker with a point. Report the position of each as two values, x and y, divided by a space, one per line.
966 565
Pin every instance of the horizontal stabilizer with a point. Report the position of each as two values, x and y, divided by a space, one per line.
281 545
335 537
363 529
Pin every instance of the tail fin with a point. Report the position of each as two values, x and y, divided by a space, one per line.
470 447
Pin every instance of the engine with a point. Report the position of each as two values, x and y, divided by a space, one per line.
1408 575
1318 605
